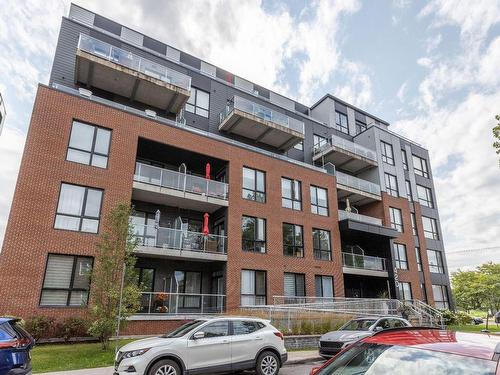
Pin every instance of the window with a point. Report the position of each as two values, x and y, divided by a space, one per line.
295 285
244 327
143 224
435 261
341 123
396 219
319 141
254 185
387 153
323 286
430 228
293 240
299 146
321 244
413 223
440 297
391 185
404 291
198 102
145 279
420 166
360 127
189 283
216 329
253 288
66 281
253 234
400 258
319 201
404 158
408 191
89 145
425 196
291 194
419 259
79 208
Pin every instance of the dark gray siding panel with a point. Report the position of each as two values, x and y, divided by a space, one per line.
154 45
190 60
108 25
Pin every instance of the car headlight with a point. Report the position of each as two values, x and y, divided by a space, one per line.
135 353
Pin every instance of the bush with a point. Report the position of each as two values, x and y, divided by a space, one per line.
456 318
40 326
72 327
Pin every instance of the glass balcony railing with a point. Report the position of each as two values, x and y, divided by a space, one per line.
180 181
263 113
129 60
358 217
357 183
181 303
176 239
364 262
346 145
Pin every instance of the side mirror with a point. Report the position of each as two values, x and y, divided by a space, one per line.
199 335
314 370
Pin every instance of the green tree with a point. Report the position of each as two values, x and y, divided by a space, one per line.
114 249
496 135
466 289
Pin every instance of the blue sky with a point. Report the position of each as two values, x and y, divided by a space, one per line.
429 68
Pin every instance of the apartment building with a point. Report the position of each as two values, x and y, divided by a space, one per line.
3 112
242 196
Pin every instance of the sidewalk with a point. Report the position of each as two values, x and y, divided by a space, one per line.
294 358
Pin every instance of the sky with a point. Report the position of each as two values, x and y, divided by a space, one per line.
429 68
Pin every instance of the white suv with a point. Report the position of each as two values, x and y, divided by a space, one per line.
207 346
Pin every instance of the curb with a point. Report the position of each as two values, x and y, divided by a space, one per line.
302 361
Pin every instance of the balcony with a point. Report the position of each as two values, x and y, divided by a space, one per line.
171 188
357 264
358 191
344 215
171 304
179 244
261 124
106 67
368 225
345 155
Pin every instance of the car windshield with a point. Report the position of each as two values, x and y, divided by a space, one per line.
184 329
358 325
378 359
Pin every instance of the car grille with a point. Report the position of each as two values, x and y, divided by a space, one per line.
331 344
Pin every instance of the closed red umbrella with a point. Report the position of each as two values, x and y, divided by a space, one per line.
207 171
205 224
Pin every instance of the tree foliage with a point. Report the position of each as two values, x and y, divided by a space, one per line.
496 135
114 248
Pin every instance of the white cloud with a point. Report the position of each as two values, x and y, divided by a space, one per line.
425 62
402 91
433 42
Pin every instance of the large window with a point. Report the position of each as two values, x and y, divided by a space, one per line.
322 244
435 261
420 166
291 194
253 287
143 224
66 281
188 282
419 259
79 208
430 228
360 127
89 145
440 297
425 196
404 291
319 141
408 191
323 286
145 279
198 102
254 185
396 219
391 185
293 240
400 258
295 285
387 153
319 201
341 122
413 224
404 158
253 234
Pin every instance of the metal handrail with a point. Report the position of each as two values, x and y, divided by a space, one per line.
343 215
130 60
182 303
180 181
365 262
357 183
346 145
262 112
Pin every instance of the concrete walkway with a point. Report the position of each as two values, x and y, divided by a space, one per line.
294 358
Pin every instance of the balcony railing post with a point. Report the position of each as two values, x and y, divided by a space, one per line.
150 301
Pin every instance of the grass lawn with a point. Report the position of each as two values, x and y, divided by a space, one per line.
64 357
475 328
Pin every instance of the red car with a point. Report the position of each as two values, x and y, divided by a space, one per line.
415 351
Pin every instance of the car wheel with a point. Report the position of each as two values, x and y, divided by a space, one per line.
268 364
165 367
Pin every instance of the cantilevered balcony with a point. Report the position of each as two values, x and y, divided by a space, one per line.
345 155
179 244
368 225
186 304
261 124
106 67
345 215
358 191
171 188
357 264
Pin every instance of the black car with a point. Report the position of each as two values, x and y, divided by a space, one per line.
15 347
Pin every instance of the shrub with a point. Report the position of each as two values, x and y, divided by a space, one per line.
456 318
72 327
40 326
